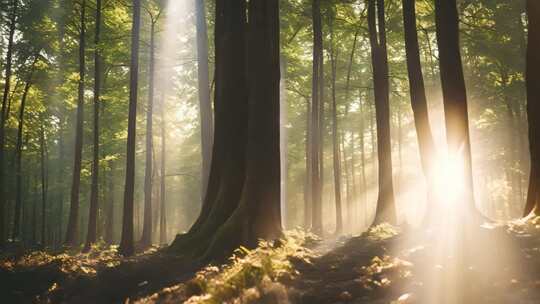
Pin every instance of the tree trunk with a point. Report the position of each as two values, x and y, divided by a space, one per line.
205 106
148 171
335 139
386 210
162 191
18 154
109 213
43 157
4 115
316 127
72 228
227 171
533 105
308 181
258 214
454 95
126 244
91 236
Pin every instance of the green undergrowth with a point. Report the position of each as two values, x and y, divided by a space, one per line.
249 276
70 262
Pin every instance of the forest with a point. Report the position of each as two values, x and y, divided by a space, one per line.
270 151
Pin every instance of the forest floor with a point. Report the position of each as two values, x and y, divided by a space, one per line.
488 264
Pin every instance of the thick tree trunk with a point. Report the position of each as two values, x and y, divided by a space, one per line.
205 106
454 95
386 210
4 114
148 171
258 214
126 244
533 105
91 236
72 228
316 127
335 141
227 171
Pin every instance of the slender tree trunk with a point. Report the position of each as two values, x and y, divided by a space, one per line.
454 94
363 160
205 106
72 228
316 127
335 140
533 105
4 114
43 156
309 178
162 191
91 236
419 105
147 221
109 217
18 154
386 210
126 244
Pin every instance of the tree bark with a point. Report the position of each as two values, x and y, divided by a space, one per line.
72 228
316 127
91 236
454 94
205 106
386 210
126 244
335 139
44 187
258 214
18 156
533 105
148 171
227 170
162 191
308 180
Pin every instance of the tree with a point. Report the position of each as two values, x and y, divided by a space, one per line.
72 228
454 95
18 151
4 113
126 244
91 236
386 210
418 94
258 213
316 127
533 106
163 175
205 106
44 176
147 221
230 109
335 136
251 212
